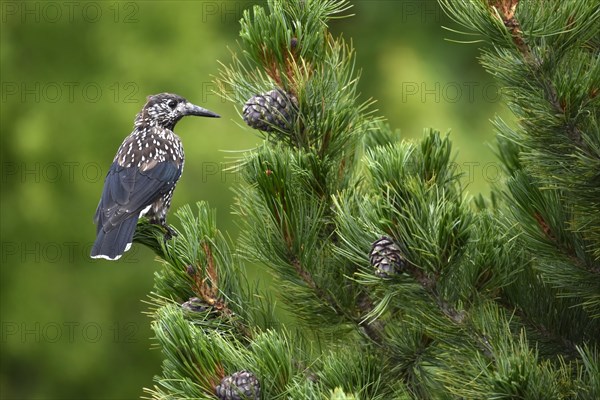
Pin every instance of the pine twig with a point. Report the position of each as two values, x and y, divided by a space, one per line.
505 10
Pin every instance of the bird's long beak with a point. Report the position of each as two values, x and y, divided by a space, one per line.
192 109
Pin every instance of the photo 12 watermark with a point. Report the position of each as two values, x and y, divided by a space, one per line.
55 252
221 172
489 172
53 12
424 11
52 172
470 171
68 332
210 90
70 92
90 172
222 11
450 92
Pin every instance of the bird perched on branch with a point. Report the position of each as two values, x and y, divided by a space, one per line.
143 175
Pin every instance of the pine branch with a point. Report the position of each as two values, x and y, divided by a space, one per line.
550 77
293 178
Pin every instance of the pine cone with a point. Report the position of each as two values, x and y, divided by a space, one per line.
191 271
195 304
271 110
386 258
241 385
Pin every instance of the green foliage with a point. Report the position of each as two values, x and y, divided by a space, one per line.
302 58
549 68
493 302
338 394
288 227
551 73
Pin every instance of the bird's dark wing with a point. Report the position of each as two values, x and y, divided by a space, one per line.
128 191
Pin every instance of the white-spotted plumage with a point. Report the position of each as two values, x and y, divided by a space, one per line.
143 175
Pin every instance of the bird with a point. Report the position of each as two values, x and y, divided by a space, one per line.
143 175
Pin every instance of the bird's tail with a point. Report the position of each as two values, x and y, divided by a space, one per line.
112 244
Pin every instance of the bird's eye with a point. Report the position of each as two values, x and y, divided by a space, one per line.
172 104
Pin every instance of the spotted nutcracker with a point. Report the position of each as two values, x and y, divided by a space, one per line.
143 174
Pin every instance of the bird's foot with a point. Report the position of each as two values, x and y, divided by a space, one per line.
170 234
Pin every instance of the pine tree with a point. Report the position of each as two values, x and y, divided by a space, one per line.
392 281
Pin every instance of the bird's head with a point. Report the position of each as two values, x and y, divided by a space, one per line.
165 109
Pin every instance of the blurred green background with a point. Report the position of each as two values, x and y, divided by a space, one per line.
74 75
